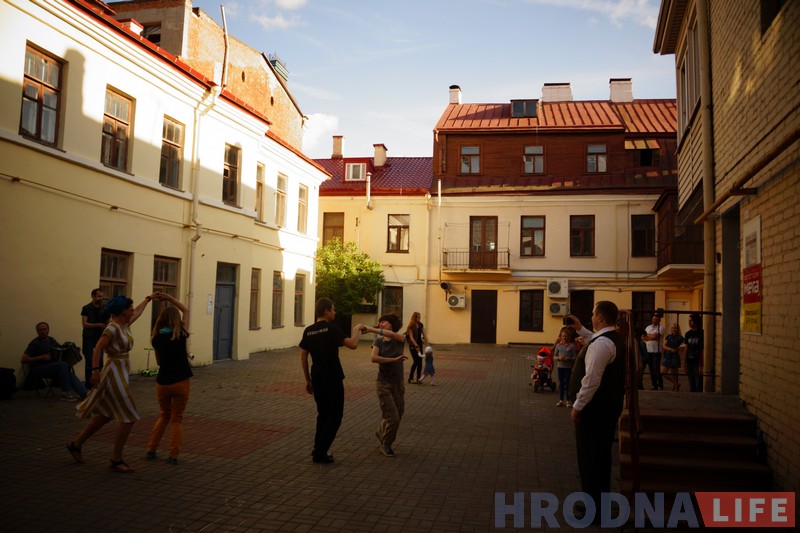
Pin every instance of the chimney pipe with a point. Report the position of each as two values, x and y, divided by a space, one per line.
380 154
557 92
338 147
455 94
621 89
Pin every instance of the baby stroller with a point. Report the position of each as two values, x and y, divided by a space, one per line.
542 373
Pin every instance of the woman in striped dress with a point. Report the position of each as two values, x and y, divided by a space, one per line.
110 396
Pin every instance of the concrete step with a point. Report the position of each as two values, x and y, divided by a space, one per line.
692 422
665 444
733 474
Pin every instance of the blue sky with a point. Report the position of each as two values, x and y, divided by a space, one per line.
378 71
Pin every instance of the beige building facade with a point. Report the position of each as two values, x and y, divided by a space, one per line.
122 168
739 148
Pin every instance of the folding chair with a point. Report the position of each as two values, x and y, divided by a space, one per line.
37 384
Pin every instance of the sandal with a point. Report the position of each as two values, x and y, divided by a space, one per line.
120 466
75 452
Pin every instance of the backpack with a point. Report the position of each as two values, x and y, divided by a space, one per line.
8 383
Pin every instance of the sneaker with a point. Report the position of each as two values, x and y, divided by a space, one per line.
569 404
387 451
560 403
172 460
150 455
67 397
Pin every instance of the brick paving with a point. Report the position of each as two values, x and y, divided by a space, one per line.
246 463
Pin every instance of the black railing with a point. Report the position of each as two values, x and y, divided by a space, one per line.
463 259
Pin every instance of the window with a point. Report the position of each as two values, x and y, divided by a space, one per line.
255 298
230 175
769 10
165 279
41 97
116 131
277 299
332 227
259 207
152 32
355 172
596 158
299 298
171 153
643 235
534 159
642 305
114 273
393 301
531 310
523 108
397 233
470 160
280 201
689 77
302 209
646 158
581 235
532 237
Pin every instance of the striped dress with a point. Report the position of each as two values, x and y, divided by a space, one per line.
111 396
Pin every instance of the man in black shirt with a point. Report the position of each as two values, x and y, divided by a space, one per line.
94 319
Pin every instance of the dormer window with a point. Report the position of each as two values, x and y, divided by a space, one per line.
523 108
152 32
355 172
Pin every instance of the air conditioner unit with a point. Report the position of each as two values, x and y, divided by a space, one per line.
457 300
558 309
558 288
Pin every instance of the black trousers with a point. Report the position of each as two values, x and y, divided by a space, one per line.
416 365
594 436
329 397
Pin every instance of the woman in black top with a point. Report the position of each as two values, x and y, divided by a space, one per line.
172 383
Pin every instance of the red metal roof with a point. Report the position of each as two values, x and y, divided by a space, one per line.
639 116
399 175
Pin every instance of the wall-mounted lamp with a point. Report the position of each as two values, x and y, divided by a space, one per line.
444 285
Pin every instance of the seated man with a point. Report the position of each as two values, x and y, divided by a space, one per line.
42 364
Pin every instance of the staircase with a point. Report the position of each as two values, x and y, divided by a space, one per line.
687 450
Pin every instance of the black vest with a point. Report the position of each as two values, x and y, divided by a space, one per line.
611 392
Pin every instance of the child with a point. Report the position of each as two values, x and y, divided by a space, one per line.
672 358
565 352
429 370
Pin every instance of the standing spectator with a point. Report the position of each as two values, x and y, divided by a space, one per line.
325 381
94 319
41 364
110 397
644 358
172 381
429 370
597 390
565 352
415 335
694 353
672 357
387 352
653 334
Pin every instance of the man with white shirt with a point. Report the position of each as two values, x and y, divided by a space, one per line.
597 391
653 339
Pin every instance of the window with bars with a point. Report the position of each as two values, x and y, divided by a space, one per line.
332 227
532 236
230 175
299 298
531 310
470 160
277 299
171 154
116 130
165 279
581 235
302 209
114 273
393 301
41 97
255 298
280 200
596 158
398 231
534 159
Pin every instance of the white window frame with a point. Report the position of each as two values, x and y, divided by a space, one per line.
351 174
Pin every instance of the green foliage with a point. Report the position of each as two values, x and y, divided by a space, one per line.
347 276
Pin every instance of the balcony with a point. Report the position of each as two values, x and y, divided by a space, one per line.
465 260
682 257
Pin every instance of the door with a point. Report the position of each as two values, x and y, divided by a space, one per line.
731 304
483 243
483 327
224 298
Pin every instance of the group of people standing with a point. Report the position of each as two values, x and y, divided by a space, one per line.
662 353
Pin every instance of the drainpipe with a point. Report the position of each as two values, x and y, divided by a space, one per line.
709 229
369 189
427 253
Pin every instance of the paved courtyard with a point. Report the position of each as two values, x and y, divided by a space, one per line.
246 463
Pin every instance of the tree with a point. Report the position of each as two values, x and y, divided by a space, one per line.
347 276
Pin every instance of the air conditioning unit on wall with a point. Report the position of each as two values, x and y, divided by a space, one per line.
558 309
457 300
558 288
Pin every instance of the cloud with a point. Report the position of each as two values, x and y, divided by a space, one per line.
643 12
290 5
314 92
278 22
320 129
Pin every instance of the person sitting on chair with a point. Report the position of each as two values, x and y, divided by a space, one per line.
43 365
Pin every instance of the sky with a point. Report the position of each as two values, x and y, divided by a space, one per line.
379 71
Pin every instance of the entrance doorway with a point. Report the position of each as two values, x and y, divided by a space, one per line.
483 328
224 298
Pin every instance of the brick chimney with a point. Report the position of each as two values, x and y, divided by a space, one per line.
338 147
557 92
621 89
455 94
380 154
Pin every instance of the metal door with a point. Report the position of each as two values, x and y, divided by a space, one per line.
483 328
225 296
